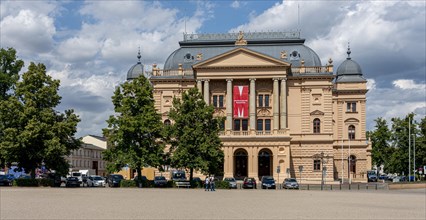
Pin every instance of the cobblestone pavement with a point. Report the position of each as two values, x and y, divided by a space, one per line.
135 203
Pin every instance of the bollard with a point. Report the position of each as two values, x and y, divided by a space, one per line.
350 186
376 186
308 186
331 187
340 186
366 186
358 186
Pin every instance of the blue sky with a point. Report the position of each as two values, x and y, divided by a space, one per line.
90 45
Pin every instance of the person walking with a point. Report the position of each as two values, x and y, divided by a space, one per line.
207 183
212 186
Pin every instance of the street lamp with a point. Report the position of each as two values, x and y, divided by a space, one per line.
414 151
324 160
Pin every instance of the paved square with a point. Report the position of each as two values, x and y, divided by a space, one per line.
134 203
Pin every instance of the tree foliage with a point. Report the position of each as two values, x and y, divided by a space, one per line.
195 142
34 133
391 147
134 133
9 71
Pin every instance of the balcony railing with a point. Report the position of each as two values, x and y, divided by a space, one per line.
178 72
312 69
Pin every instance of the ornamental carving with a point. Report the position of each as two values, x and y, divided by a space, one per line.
263 85
199 56
264 112
283 54
317 112
240 39
219 112
217 86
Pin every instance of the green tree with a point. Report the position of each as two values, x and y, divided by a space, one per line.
380 140
34 133
9 71
195 142
9 75
398 161
421 144
135 132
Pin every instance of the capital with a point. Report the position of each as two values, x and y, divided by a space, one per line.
252 79
229 80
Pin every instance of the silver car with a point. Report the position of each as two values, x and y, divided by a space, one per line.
231 181
290 183
95 181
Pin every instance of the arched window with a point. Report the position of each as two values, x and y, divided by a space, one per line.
351 132
317 125
167 122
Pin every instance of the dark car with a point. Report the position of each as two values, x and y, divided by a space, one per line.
56 179
4 181
290 183
72 181
114 180
268 182
249 183
160 181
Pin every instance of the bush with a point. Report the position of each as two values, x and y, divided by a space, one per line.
221 185
196 184
171 184
45 182
128 183
25 182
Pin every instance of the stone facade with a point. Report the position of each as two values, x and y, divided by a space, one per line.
298 116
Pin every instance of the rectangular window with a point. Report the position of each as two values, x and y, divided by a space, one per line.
237 125
266 100
267 124
259 124
215 100
222 125
260 100
221 101
317 165
351 107
245 124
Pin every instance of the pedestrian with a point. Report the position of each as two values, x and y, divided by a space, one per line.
207 184
212 186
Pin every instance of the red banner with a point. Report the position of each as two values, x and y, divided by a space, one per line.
241 102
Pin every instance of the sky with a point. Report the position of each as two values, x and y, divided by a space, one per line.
90 45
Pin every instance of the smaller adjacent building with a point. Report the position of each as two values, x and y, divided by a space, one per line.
89 155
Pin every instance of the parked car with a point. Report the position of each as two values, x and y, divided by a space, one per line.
249 183
4 181
95 181
142 177
56 179
231 181
72 181
114 180
290 183
268 182
160 181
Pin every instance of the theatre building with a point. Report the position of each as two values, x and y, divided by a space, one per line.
287 114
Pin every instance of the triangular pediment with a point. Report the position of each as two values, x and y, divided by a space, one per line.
241 57
317 112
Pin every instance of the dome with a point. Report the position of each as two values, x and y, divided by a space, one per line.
136 70
349 71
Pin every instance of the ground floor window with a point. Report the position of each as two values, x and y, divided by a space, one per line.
317 165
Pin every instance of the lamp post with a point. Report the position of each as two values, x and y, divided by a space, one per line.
409 149
414 152
324 160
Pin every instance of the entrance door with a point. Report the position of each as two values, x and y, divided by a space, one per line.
95 166
265 163
352 165
240 164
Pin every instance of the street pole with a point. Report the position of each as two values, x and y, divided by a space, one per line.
322 170
349 159
414 149
341 181
409 149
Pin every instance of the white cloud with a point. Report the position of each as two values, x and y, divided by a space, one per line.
28 32
408 84
371 84
235 4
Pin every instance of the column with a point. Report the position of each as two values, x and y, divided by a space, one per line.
206 91
228 125
276 101
200 85
283 116
252 105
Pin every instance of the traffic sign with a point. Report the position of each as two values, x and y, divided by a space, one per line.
278 169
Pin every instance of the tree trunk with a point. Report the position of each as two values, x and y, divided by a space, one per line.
33 173
139 171
191 173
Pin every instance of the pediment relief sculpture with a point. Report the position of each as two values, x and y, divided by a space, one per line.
317 112
219 112
264 112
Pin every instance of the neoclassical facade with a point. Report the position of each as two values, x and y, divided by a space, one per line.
287 115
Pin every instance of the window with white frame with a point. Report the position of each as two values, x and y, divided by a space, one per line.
263 100
218 101
351 107
351 132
